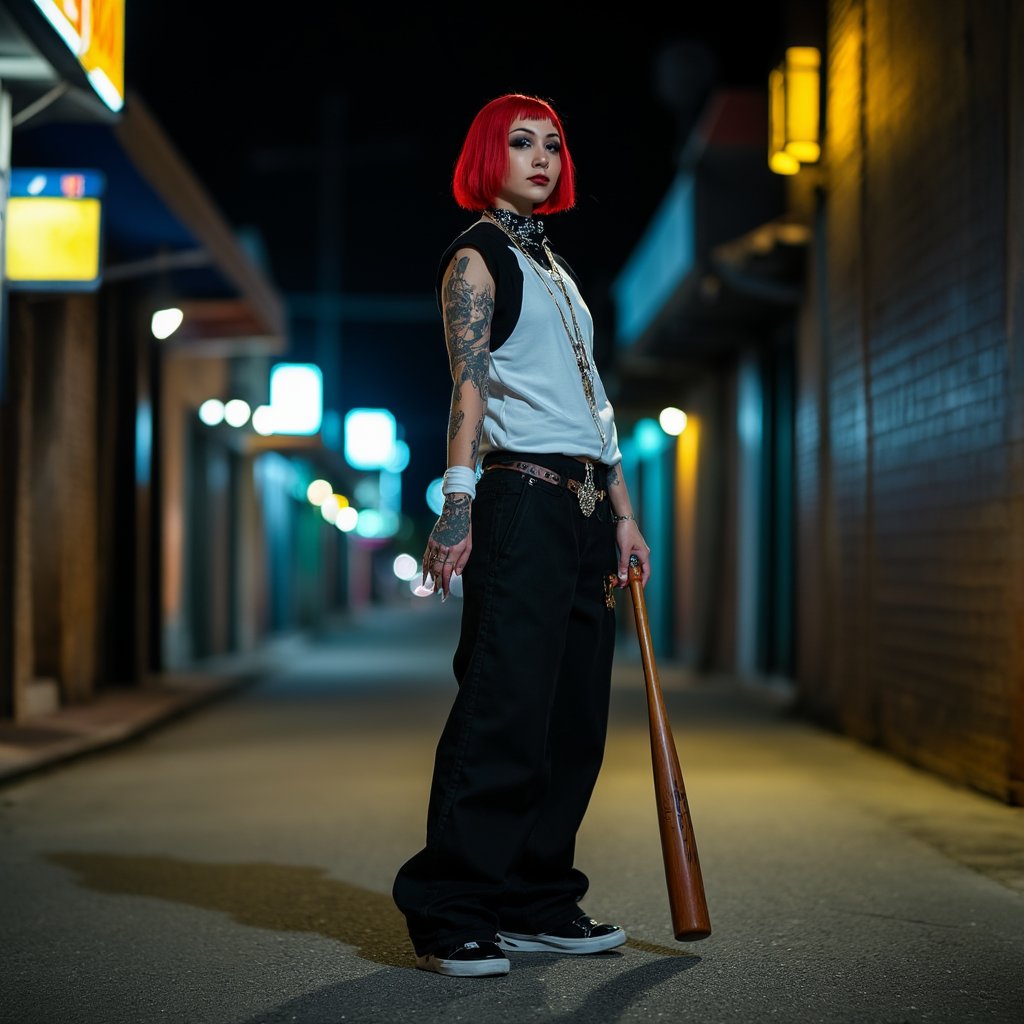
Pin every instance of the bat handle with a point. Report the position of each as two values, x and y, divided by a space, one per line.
636 572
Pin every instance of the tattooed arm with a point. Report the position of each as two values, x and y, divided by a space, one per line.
468 306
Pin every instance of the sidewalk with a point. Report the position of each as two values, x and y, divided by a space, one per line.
117 715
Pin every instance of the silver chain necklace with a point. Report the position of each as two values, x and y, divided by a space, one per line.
575 335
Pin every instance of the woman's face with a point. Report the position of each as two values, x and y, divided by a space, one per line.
534 164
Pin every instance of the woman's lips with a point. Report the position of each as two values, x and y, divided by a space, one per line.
540 179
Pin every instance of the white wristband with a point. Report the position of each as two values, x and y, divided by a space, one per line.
459 479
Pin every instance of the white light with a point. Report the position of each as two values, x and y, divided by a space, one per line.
297 398
347 519
36 185
318 491
105 89
421 589
406 567
435 499
236 412
165 322
672 420
330 507
263 420
211 412
64 28
369 438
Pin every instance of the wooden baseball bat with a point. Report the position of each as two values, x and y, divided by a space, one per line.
686 896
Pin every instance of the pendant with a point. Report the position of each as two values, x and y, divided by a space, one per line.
587 493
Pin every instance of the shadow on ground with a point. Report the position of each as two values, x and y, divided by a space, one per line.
271 896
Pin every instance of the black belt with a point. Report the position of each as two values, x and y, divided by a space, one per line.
583 489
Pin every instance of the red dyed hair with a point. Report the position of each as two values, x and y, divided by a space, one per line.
483 162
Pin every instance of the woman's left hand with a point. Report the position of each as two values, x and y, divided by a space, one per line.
631 542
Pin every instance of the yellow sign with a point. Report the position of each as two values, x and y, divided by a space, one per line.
94 32
103 57
53 241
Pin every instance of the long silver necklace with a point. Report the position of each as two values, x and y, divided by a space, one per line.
587 492
575 335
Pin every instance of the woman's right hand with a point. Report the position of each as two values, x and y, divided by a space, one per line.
450 543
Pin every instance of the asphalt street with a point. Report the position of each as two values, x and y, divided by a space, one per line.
234 866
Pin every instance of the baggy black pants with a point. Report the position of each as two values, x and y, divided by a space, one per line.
522 747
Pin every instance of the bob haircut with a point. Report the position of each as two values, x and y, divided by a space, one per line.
483 162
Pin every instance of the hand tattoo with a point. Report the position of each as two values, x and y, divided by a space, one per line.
452 525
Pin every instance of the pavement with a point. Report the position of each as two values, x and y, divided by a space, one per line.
224 855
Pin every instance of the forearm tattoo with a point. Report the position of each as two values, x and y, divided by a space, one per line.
613 476
468 314
455 423
476 438
453 523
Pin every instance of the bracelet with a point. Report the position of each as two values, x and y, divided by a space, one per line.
622 519
459 479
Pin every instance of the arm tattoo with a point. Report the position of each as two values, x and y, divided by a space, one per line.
476 437
453 523
455 423
613 477
468 315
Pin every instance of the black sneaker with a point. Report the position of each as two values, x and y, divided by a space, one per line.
470 960
583 935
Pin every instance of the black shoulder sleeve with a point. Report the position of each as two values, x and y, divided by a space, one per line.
492 245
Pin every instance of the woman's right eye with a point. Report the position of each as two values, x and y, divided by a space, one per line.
521 143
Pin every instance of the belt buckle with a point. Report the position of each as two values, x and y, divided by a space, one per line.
587 492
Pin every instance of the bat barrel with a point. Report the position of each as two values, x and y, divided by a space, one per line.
687 900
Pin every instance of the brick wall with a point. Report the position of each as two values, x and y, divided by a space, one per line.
912 462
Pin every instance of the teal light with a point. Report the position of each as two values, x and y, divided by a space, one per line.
435 499
370 438
649 437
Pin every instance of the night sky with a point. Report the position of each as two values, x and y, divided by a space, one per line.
333 136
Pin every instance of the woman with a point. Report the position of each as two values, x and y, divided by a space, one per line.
538 524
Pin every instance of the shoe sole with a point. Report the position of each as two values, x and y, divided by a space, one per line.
464 968
515 943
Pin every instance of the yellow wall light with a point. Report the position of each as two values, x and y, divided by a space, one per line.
794 110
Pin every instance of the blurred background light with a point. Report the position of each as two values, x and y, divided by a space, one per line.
318 491
370 436
296 398
435 499
406 567
330 507
401 458
672 420
236 412
165 322
347 519
211 412
263 420
650 438
370 523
